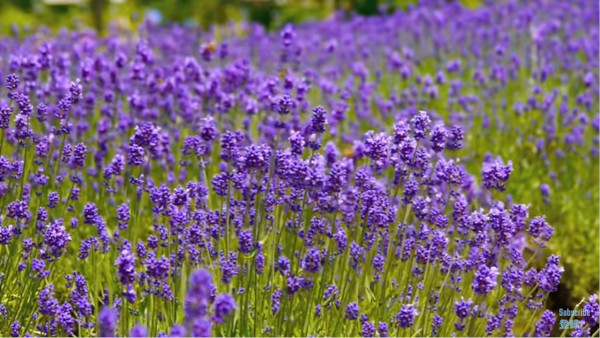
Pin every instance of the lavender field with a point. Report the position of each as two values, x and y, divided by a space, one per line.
429 172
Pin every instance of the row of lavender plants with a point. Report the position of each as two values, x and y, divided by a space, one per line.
386 176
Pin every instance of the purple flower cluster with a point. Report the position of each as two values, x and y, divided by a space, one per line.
312 182
200 296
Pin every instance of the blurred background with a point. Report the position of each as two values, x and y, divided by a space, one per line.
97 14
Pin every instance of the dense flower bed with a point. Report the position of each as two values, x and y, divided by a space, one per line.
346 177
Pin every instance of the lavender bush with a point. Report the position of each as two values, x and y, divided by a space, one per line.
358 177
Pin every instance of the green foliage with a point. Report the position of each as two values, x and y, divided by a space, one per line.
270 13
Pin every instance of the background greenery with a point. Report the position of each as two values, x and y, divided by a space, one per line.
55 14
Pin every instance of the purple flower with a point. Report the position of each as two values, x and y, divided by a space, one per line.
135 155
512 279
255 157
297 142
462 308
12 81
15 329
245 241
107 322
406 149
275 300
421 124
6 234
47 302
379 263
356 253
581 332
126 267
549 277
198 294
454 138
56 238
228 270
138 331
79 152
312 261
19 210
287 35
406 317
332 290
76 91
177 331
341 239
436 323
495 174
543 328
159 120
223 307
5 113
352 310
123 213
260 263
318 310
368 329
538 228
208 129
437 137
283 265
65 105
401 132
285 104
588 79
545 189
90 213
377 147
65 319
220 184
38 265
492 325
318 120
230 142
593 309
484 280
293 284
201 328
382 328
